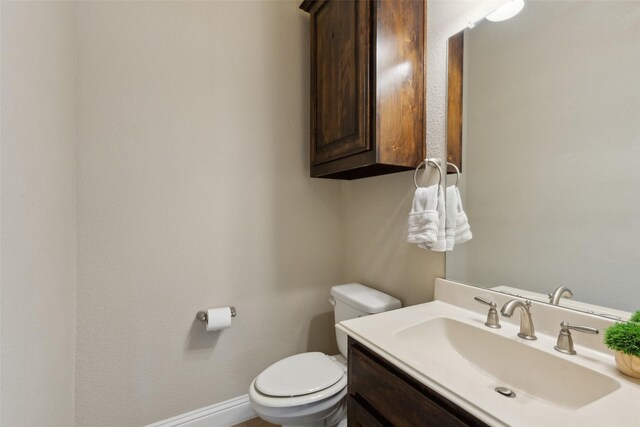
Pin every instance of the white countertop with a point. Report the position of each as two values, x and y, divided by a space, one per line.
468 386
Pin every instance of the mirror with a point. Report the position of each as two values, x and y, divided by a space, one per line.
550 135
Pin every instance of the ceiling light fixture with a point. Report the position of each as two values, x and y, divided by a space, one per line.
506 11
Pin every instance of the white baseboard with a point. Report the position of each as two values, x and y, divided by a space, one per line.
223 414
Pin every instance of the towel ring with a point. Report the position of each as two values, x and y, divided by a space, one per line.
425 162
457 172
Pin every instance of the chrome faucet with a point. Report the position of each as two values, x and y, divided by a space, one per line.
565 341
493 321
561 291
527 330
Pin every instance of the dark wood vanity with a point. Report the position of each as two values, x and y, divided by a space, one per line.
382 395
367 86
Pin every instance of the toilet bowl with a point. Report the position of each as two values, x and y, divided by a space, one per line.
305 389
309 389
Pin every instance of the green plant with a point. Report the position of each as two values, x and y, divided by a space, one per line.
625 336
635 317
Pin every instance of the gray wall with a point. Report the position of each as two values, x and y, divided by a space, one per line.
38 202
193 191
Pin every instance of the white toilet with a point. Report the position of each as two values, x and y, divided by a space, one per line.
309 389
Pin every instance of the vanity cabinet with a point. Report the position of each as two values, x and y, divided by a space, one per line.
379 394
367 86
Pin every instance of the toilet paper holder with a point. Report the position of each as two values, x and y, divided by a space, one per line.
202 315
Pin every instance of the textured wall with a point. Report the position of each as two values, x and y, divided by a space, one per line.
194 192
38 213
376 208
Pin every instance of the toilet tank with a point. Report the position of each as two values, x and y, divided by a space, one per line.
355 300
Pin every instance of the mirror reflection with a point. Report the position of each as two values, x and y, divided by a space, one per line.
550 152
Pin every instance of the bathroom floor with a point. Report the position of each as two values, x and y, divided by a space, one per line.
255 422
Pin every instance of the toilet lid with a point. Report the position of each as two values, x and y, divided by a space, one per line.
299 375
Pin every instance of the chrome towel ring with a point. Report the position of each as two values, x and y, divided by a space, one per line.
457 172
433 161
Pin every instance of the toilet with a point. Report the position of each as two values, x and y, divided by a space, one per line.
309 389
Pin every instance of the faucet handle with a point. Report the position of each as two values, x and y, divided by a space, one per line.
493 321
565 340
486 302
585 329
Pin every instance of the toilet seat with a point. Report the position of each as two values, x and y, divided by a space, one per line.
299 375
299 380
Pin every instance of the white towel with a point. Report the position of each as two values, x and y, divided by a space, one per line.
452 214
440 245
463 230
424 219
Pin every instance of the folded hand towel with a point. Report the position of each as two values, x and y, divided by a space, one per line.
463 230
452 214
440 245
424 219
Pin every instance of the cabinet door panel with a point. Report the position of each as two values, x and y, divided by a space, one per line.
394 398
400 81
381 389
360 417
340 43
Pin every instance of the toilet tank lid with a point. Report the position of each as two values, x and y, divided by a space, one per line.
365 298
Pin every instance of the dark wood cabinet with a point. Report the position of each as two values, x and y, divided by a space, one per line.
367 86
359 416
382 395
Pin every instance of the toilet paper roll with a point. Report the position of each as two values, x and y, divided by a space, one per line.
218 318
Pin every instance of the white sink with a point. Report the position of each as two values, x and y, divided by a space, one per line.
448 349
506 362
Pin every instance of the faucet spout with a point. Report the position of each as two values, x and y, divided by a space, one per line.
510 306
561 291
527 331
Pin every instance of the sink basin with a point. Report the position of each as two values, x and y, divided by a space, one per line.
444 345
531 373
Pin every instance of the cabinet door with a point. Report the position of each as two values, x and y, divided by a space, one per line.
360 417
340 49
392 397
